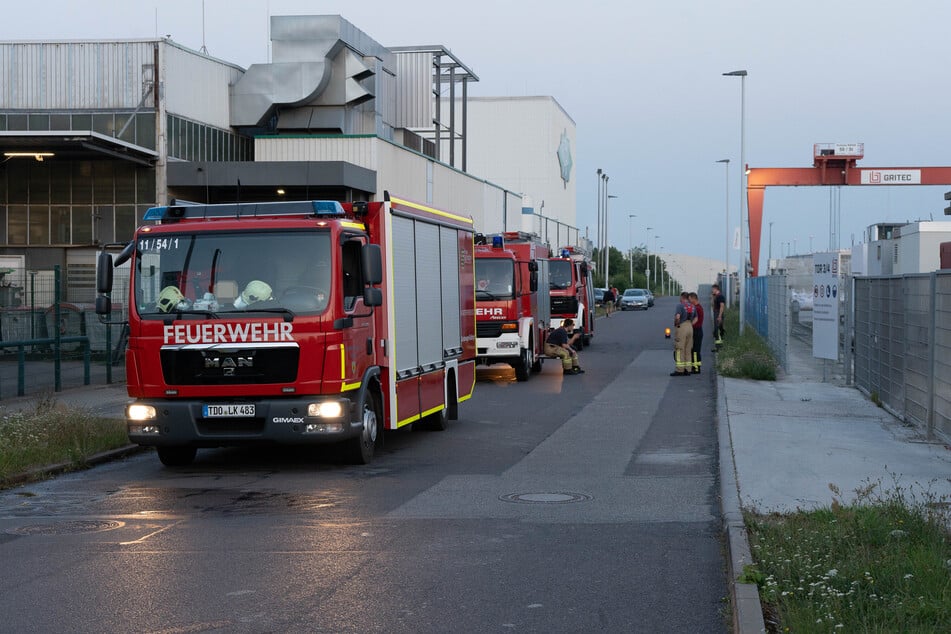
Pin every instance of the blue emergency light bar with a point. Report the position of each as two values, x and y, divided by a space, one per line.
497 242
249 210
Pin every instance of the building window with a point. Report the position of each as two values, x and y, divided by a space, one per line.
39 224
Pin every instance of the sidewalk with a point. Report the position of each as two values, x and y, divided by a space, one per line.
100 398
783 444
793 438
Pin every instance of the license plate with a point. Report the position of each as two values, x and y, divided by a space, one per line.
228 410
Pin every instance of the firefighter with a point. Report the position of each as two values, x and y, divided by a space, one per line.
558 345
683 336
719 307
697 332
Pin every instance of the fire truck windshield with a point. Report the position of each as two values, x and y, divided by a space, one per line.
494 278
559 273
213 273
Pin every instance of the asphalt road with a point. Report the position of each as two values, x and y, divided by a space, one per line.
564 504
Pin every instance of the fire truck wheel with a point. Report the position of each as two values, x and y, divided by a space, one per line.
523 368
537 366
176 456
363 446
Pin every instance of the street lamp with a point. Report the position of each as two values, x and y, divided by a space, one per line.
656 255
598 239
647 260
607 241
726 253
742 276
630 243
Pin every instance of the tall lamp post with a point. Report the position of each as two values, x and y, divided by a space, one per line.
607 241
630 242
742 276
600 225
657 251
726 236
647 260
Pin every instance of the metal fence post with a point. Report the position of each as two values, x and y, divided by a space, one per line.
57 335
932 356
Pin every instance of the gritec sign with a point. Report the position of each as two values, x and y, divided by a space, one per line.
891 177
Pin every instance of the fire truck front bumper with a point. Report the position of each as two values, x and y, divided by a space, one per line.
313 420
501 347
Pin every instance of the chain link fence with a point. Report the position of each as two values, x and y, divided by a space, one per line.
35 316
903 347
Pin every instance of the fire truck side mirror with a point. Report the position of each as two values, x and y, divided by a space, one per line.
584 269
372 297
533 281
103 305
104 273
372 264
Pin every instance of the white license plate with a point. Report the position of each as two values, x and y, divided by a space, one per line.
228 410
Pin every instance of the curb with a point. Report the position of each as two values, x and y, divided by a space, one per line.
63 467
747 610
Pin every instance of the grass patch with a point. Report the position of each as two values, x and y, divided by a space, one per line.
881 564
50 434
746 357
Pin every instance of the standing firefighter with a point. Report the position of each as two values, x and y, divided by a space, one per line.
683 336
697 332
719 307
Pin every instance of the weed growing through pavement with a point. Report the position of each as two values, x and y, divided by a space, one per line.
50 433
744 357
880 564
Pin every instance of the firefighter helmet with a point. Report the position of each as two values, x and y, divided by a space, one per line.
255 291
169 298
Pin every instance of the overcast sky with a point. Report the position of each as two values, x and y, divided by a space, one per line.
642 81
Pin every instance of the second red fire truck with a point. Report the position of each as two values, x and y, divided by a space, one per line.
512 301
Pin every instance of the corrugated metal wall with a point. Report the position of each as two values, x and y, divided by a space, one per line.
198 87
415 106
356 150
74 75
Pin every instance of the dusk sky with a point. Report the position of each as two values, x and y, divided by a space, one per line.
643 82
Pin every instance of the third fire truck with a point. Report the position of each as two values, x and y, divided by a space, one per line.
512 301
572 290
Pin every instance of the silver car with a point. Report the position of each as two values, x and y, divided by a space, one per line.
634 299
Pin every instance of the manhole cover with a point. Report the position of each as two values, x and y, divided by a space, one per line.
560 497
67 528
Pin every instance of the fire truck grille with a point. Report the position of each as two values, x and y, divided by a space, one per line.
489 329
231 367
564 305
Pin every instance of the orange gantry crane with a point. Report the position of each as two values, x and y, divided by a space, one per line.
833 164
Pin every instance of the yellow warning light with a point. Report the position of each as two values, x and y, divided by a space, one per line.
667 333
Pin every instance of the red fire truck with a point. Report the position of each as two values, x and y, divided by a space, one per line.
572 290
512 301
295 322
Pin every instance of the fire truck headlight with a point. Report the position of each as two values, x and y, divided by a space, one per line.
327 409
140 412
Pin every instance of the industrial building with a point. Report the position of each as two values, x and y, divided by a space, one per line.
93 133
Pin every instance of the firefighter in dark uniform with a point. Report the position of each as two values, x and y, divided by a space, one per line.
719 308
697 332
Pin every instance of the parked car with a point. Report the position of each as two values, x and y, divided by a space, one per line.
599 296
802 300
634 299
650 296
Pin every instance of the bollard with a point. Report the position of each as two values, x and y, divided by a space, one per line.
57 335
